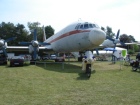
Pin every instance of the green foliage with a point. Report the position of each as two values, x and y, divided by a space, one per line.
125 38
49 31
8 30
102 28
130 51
132 38
109 32
36 25
136 48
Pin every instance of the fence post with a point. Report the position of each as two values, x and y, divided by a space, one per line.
44 64
62 65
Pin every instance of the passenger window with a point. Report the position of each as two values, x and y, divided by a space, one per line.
85 26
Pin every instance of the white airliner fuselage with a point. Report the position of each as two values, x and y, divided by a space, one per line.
77 37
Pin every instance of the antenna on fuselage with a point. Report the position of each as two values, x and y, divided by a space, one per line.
79 19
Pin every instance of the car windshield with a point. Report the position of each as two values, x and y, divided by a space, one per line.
17 57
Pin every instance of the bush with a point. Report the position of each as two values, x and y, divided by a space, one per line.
131 52
136 47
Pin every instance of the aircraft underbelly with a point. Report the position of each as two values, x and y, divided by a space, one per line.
73 43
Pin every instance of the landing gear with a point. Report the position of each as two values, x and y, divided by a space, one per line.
88 70
80 59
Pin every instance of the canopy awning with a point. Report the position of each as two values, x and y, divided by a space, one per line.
110 49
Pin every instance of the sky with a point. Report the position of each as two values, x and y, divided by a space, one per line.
117 14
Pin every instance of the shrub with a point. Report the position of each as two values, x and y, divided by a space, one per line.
131 52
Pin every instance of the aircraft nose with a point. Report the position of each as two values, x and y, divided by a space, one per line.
97 36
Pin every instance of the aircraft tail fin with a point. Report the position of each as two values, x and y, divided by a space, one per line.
44 34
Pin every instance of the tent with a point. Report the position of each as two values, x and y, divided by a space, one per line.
118 52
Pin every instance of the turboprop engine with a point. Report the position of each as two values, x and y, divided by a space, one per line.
3 44
34 45
31 49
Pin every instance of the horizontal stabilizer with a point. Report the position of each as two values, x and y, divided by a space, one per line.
9 39
42 43
25 43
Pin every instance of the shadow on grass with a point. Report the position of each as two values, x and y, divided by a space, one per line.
60 67
8 66
67 68
136 71
83 76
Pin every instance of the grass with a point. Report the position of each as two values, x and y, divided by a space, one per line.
52 85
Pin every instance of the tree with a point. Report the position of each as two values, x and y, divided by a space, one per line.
35 25
48 30
109 32
8 30
132 38
125 38
102 28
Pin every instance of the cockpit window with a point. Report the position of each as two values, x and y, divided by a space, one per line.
78 25
81 27
85 26
90 26
94 25
97 26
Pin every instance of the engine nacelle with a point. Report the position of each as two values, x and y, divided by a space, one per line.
1 42
31 49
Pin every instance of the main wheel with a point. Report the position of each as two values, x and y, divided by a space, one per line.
88 70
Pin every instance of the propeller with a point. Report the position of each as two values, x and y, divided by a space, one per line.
97 52
3 44
35 45
116 40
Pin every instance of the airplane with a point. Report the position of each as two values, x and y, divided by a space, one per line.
77 36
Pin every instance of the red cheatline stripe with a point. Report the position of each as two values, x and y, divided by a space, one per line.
69 34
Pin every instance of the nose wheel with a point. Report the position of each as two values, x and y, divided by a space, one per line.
88 70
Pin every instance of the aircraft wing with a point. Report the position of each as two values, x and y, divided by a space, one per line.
118 44
26 48
17 48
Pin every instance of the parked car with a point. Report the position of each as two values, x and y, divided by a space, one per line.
45 57
53 57
17 61
3 59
